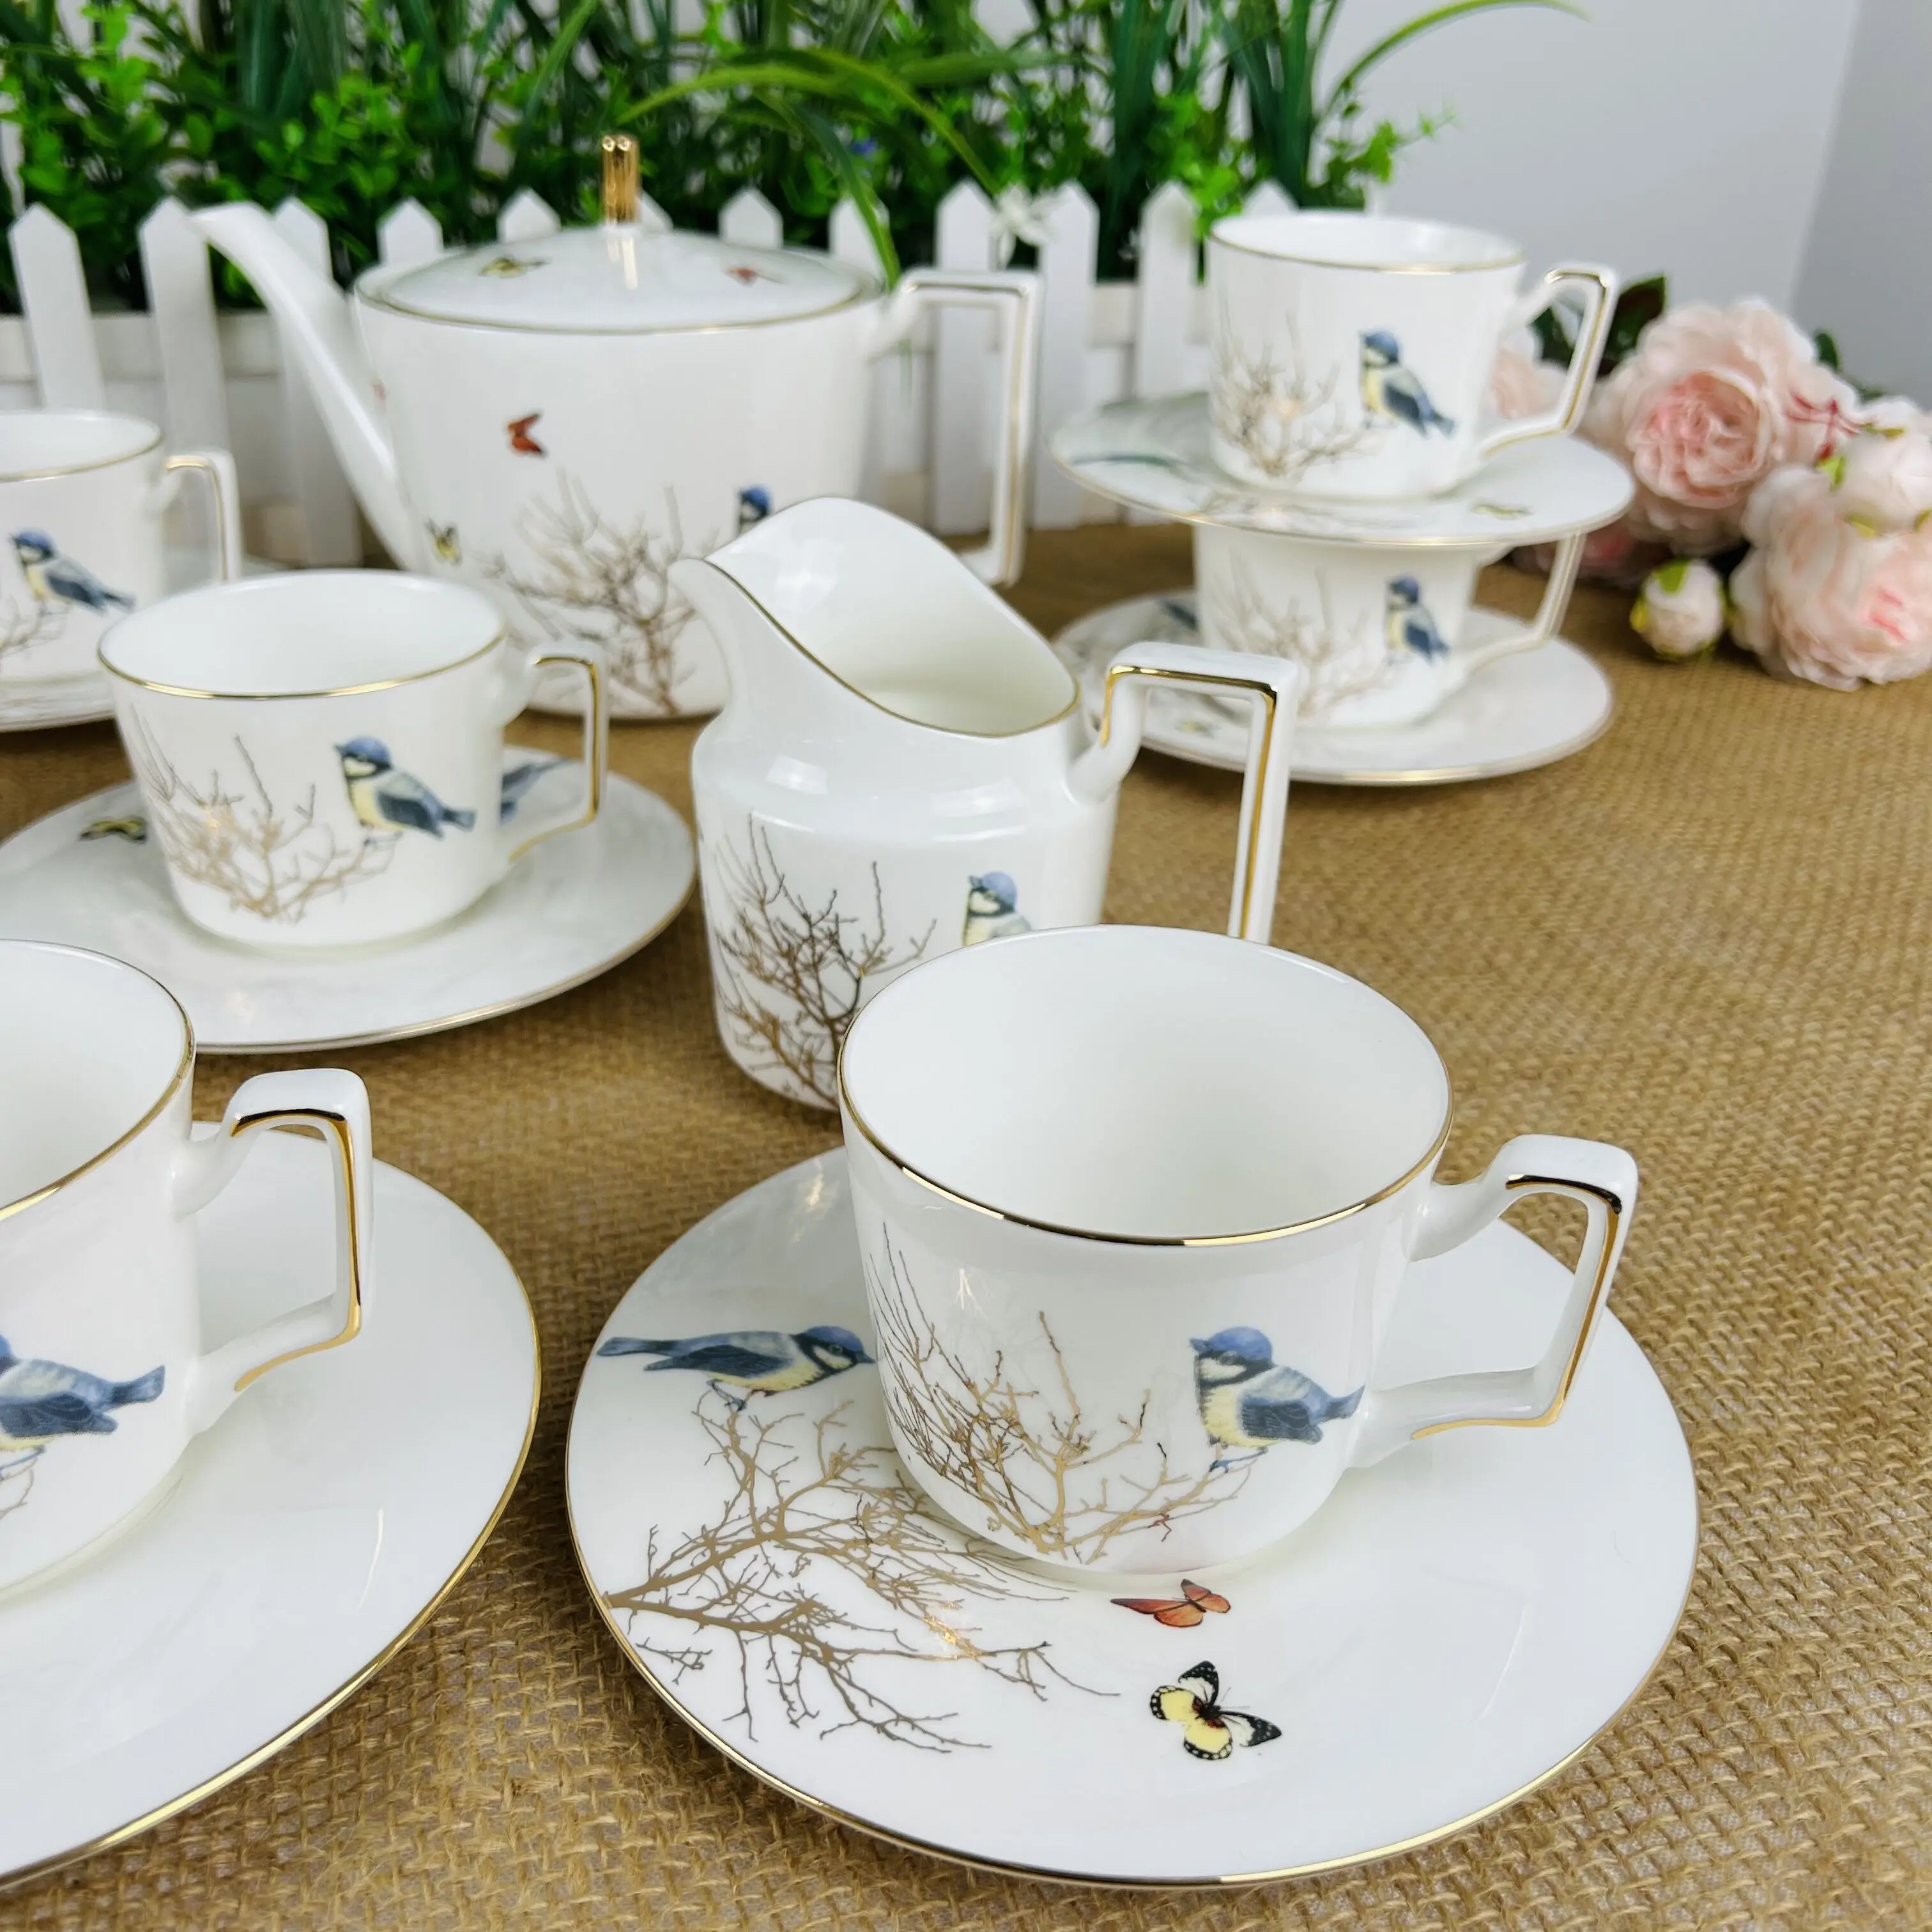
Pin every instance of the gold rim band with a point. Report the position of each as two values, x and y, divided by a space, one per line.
274 697
867 290
182 1068
153 443
1217 237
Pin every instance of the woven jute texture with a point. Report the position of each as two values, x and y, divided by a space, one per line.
1707 938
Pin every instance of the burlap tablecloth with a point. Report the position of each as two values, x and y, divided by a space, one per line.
1705 937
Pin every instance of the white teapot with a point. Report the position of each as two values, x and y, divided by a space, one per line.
558 421
901 768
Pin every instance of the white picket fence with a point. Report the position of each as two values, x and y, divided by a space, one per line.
218 379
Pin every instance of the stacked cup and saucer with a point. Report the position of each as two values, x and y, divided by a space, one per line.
1346 491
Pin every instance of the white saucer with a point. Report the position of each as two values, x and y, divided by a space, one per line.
307 1536
1452 1629
572 909
27 705
1512 715
1154 456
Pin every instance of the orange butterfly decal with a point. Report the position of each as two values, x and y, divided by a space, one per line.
746 275
522 443
1181 1612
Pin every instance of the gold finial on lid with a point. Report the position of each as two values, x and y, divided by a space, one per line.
621 193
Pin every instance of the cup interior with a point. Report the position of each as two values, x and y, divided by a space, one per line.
91 1048
1336 239
307 633
1145 1082
40 443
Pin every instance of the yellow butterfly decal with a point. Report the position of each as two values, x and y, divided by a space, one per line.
1208 1730
448 543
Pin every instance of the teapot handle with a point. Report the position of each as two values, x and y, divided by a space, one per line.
1272 685
1017 292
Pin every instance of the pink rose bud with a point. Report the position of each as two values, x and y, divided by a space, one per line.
1882 479
1680 611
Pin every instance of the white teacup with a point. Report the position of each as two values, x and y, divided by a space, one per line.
103 1378
1377 632
83 496
1135 1204
1352 353
321 754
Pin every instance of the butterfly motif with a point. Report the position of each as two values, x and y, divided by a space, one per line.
522 443
507 268
448 545
1182 1613
1208 1731
744 275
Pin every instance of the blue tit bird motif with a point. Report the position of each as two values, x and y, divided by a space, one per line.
992 904
754 505
58 580
41 1402
761 1361
1410 626
1248 1402
1209 1729
387 800
1391 391
517 781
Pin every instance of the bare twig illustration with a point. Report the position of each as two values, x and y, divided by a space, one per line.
1283 420
1021 1446
263 860
822 1570
38 623
787 971
1336 665
16 1482
592 580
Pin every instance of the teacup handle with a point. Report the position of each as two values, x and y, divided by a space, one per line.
998 561
1601 302
1603 1179
218 466
336 1103
1273 685
1549 613
596 733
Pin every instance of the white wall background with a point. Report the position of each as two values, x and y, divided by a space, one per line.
1866 273
1687 135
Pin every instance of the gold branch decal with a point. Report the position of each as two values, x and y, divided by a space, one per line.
1282 420
787 971
38 623
820 1572
606 584
1334 666
263 860
17 1483
1066 1486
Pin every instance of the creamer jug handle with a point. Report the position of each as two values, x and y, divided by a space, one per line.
1015 295
1272 686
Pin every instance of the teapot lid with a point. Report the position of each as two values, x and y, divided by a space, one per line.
621 278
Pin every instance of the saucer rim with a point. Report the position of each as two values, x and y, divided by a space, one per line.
1372 778
1015 1868
103 713
24 1875
416 1029
1080 469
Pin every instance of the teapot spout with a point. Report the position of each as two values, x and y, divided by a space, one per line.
316 328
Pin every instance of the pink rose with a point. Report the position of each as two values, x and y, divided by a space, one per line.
1821 599
1611 556
1520 385
1711 403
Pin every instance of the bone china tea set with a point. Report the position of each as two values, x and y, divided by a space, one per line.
1129 1361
